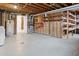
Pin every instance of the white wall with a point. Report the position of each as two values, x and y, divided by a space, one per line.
19 24
25 24
10 27
2 35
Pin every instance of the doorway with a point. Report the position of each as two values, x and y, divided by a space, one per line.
21 24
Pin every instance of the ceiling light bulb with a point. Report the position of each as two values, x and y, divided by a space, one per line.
15 6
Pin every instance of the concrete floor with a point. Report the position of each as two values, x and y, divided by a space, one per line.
39 45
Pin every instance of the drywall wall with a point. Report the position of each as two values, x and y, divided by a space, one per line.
2 35
10 27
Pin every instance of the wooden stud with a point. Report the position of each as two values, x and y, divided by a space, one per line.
75 22
67 23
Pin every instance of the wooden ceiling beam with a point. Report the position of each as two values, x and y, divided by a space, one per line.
10 7
50 7
36 7
64 4
28 9
56 5
61 4
33 9
41 5
45 8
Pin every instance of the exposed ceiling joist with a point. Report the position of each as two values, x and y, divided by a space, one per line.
55 6
41 5
73 8
64 4
49 6
34 8
10 7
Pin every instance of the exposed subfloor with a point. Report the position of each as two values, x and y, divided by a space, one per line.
39 45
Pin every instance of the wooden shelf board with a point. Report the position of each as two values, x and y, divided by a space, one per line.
72 14
69 29
65 23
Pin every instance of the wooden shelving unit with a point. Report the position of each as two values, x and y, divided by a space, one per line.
69 23
77 26
57 25
38 25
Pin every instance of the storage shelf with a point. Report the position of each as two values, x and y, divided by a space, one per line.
77 26
69 23
69 18
71 14
57 25
69 29
77 20
64 17
72 19
65 23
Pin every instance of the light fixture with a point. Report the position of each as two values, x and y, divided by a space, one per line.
45 14
15 6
